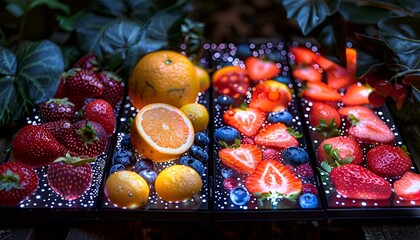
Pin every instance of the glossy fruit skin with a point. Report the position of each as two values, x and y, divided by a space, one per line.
228 172
102 112
304 171
247 121
319 91
89 61
275 136
383 87
230 183
348 149
232 81
68 181
226 134
143 164
270 96
124 157
201 139
271 153
239 196
203 77
408 186
198 153
388 161
116 167
163 77
224 100
35 146
198 115
113 87
178 183
323 112
356 94
127 189
283 117
149 175
60 129
309 188
295 155
307 74
308 200
193 163
244 158
376 99
260 69
26 184
56 109
356 182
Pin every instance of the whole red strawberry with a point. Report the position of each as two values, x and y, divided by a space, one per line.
101 111
114 87
18 182
324 117
340 150
88 139
356 182
56 109
60 129
388 161
36 146
89 61
70 177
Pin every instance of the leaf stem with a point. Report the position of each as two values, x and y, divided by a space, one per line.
385 5
400 74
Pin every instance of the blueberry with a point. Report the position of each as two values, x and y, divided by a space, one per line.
295 155
224 100
198 153
201 139
126 142
243 51
226 134
192 162
239 196
116 167
124 157
274 56
149 175
283 116
228 172
283 79
143 164
308 200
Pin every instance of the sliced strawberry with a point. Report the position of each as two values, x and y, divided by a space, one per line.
338 77
367 126
248 121
277 136
261 69
356 94
271 96
303 56
340 150
357 182
243 158
408 186
388 161
272 179
307 73
319 91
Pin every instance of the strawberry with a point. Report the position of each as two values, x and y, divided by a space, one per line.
114 87
80 84
88 138
303 56
232 81
272 179
309 188
408 186
35 146
61 93
356 94
59 129
367 126
340 150
388 161
56 109
70 177
319 91
338 77
307 73
271 96
89 61
241 157
324 117
357 182
248 121
101 111
277 136
261 69
18 182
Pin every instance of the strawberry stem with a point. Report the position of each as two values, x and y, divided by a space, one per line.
75 161
353 119
294 132
87 134
61 101
9 180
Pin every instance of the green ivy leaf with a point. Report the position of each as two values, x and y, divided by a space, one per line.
19 7
354 13
402 35
7 62
309 13
8 99
51 4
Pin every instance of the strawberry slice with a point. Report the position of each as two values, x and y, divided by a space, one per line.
357 94
272 179
271 96
307 74
367 126
357 182
248 121
277 136
319 91
303 56
243 158
408 186
261 69
338 77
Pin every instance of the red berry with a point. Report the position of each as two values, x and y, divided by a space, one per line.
309 188
247 140
229 183
376 99
88 61
102 112
372 80
304 171
383 87
271 153
114 87
400 92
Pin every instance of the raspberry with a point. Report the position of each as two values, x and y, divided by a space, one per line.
304 171
270 153
309 188
230 183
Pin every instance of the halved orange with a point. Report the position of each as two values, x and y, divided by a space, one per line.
161 132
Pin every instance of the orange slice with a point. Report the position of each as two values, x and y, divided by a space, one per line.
161 132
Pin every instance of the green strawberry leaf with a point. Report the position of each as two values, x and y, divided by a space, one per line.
353 119
295 133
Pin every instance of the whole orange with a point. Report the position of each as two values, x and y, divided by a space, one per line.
163 77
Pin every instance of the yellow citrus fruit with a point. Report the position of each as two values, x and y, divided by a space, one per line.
198 115
127 189
161 132
203 77
163 77
178 183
